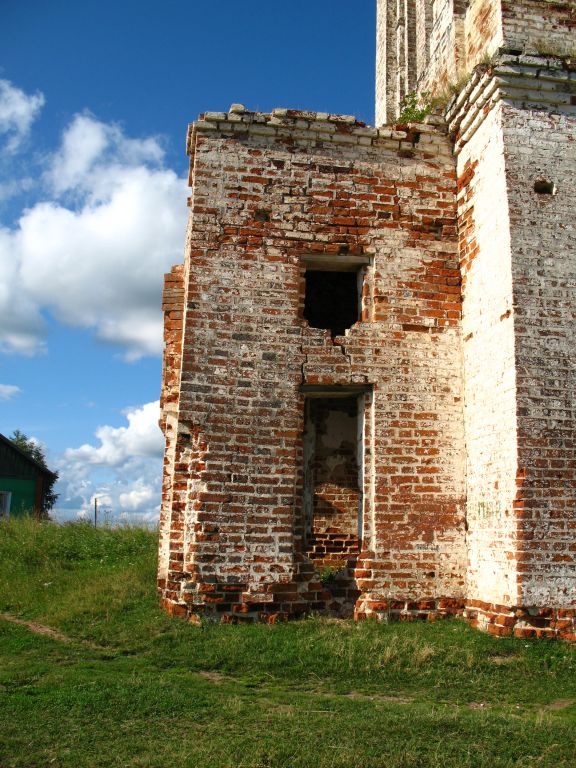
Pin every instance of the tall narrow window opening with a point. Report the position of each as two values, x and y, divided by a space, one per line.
333 473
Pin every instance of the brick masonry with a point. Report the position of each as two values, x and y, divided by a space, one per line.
427 450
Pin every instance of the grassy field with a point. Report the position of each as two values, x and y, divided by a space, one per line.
121 684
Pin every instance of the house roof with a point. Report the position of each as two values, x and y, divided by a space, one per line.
10 468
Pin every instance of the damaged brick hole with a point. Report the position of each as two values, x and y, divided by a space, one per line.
544 187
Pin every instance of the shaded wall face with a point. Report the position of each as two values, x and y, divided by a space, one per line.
541 153
22 495
489 366
171 524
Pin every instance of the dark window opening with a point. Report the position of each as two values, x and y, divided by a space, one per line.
332 300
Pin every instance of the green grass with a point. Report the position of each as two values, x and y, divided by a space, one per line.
136 688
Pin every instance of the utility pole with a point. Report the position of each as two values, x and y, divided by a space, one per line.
95 511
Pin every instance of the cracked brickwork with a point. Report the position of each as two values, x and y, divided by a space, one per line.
426 452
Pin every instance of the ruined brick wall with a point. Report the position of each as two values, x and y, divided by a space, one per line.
540 26
269 190
456 361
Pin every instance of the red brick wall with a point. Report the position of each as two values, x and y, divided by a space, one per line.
268 189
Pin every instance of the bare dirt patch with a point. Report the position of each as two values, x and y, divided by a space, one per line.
379 697
554 706
42 629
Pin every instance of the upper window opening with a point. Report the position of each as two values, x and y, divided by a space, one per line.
331 300
333 297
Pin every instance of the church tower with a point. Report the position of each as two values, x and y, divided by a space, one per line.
369 366
507 74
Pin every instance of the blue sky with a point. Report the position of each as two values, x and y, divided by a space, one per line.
95 99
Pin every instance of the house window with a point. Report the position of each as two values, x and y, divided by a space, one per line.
5 499
333 291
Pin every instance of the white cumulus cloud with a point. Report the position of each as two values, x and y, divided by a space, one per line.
8 391
18 111
140 496
118 445
94 251
122 469
90 149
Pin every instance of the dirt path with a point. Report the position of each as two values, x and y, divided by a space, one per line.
54 634
218 678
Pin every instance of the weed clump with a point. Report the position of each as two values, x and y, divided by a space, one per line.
414 107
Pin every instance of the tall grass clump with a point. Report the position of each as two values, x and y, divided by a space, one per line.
74 573
27 543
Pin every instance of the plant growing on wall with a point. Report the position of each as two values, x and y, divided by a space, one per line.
414 107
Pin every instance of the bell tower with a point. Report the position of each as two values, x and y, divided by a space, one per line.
505 76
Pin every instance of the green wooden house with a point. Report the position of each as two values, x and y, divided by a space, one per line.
23 481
